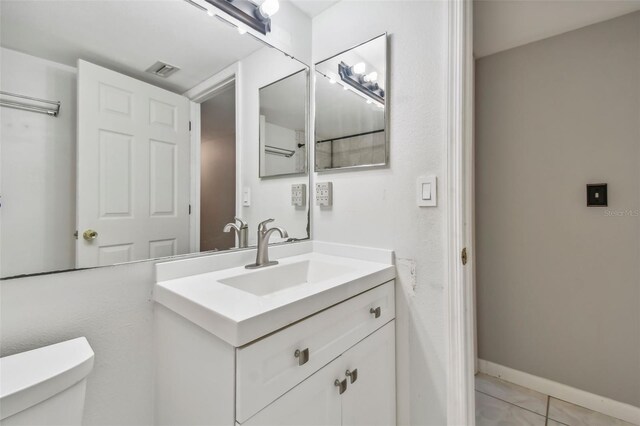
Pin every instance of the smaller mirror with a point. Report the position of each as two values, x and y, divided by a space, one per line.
283 124
351 108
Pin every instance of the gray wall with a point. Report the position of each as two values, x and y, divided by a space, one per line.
218 170
558 284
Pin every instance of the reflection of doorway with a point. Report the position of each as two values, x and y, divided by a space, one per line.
217 169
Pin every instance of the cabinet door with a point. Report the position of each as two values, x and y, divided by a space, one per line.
371 399
314 402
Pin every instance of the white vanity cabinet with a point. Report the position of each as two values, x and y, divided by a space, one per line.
367 401
296 375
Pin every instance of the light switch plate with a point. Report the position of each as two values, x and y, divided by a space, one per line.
427 191
324 194
299 194
246 196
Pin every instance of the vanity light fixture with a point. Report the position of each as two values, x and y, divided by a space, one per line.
359 68
256 16
371 77
268 8
366 84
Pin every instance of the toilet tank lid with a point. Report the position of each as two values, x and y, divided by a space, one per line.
29 378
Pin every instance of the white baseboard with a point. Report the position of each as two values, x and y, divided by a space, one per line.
619 410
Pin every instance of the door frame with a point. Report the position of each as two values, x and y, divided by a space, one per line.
198 94
460 298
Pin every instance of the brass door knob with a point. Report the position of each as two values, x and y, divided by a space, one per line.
89 235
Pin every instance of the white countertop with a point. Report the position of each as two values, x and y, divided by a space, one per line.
239 317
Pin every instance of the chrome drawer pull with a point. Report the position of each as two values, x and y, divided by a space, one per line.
353 375
342 385
377 311
302 355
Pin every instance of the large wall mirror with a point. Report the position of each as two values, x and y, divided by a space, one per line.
351 108
131 131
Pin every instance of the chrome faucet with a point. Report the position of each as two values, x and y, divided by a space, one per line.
262 256
242 231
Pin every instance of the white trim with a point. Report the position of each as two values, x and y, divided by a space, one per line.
198 94
202 91
460 301
619 410
194 219
239 140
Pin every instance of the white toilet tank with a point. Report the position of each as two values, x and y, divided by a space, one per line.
45 386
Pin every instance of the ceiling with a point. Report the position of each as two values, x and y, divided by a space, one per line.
126 36
312 8
501 24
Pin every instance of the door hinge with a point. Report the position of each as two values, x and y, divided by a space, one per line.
464 256
189 208
189 125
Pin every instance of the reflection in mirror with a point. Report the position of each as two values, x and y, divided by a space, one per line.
283 114
143 159
351 108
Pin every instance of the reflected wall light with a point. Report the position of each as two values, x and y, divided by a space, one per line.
256 16
355 77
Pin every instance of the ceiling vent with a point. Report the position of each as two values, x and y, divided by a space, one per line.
163 70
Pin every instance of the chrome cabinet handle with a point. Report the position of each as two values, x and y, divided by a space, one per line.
353 375
342 385
376 312
302 355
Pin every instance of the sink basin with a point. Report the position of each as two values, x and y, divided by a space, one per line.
274 279
241 305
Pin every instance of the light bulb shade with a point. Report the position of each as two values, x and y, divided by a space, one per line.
359 68
269 8
372 76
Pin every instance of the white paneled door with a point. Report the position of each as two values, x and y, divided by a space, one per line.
133 169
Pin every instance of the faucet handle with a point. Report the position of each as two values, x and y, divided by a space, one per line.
263 225
241 223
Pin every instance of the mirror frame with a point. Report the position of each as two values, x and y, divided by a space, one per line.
386 163
307 124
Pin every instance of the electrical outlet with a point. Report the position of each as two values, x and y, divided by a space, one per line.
324 194
299 195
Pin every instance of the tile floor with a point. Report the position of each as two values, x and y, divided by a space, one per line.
505 404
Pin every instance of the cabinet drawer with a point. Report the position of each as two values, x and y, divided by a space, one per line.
269 367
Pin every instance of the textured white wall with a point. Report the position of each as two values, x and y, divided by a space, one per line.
378 207
38 153
112 307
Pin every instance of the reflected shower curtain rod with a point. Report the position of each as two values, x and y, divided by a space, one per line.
351 136
53 112
269 149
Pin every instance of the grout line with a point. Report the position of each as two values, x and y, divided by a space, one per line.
546 420
510 403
